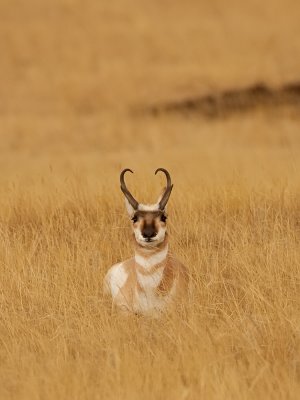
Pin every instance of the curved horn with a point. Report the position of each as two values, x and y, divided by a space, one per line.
166 195
126 192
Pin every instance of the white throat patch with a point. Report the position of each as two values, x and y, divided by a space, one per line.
150 281
149 262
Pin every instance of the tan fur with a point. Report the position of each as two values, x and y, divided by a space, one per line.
174 277
153 280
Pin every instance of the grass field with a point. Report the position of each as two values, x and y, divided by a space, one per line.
72 74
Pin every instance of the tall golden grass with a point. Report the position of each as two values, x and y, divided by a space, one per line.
234 221
72 71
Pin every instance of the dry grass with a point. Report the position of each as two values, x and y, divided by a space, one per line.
234 220
71 72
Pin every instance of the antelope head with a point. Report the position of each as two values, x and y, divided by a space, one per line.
148 221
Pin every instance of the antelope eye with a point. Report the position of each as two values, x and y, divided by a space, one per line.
163 218
134 219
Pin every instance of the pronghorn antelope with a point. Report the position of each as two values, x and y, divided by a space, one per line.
153 280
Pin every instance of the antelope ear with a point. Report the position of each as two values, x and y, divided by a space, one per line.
129 208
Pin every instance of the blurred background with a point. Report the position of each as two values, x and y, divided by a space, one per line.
75 74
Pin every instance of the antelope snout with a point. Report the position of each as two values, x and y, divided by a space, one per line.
148 232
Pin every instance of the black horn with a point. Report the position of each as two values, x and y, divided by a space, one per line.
166 195
126 192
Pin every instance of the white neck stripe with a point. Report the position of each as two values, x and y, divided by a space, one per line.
150 281
153 260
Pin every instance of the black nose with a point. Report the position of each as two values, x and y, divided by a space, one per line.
148 233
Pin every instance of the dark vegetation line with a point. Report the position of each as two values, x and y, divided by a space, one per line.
231 101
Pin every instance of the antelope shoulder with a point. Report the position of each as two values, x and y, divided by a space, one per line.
115 279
